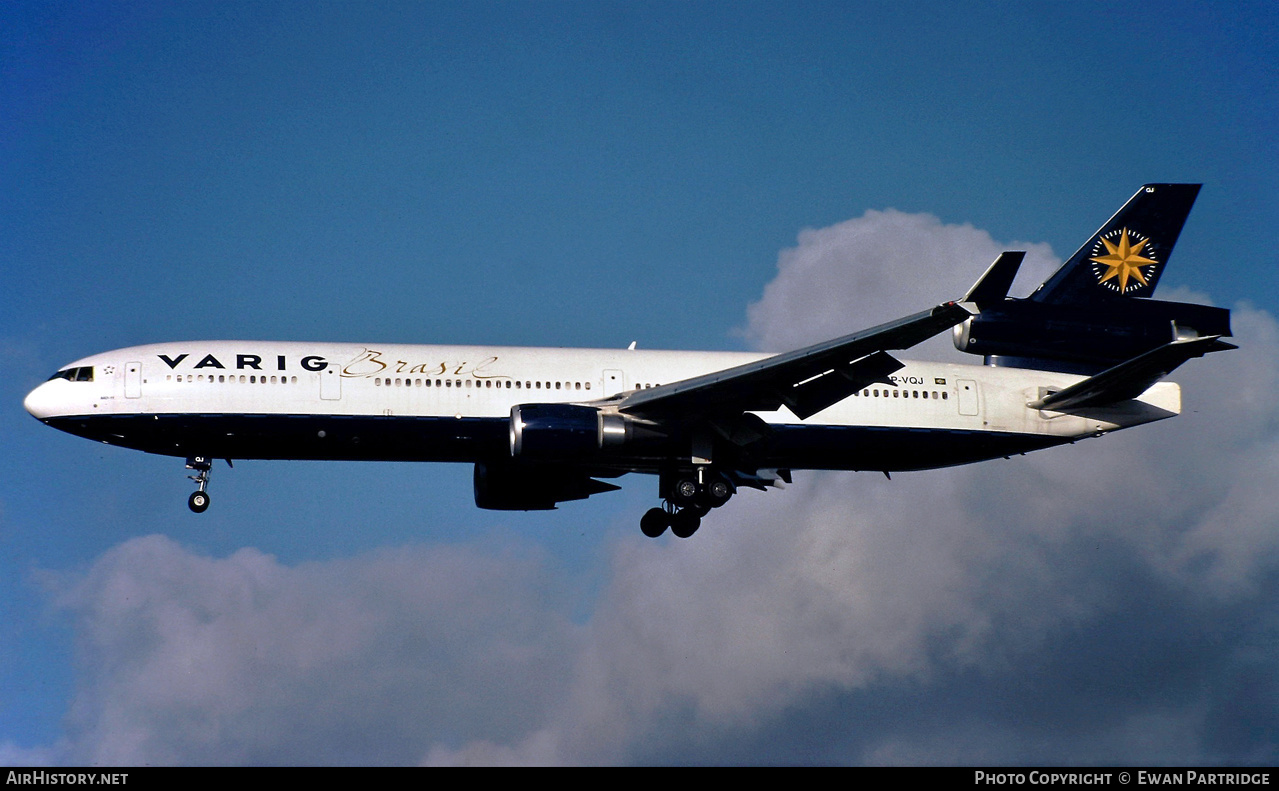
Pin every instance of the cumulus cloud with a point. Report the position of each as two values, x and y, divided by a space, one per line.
190 659
1111 601
876 268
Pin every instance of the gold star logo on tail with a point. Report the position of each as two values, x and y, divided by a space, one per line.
1123 268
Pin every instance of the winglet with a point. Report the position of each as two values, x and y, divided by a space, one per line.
994 283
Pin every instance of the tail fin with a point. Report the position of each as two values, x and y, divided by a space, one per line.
1092 314
1127 255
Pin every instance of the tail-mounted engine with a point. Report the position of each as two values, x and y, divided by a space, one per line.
1082 338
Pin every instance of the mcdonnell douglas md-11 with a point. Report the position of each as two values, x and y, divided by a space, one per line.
1084 355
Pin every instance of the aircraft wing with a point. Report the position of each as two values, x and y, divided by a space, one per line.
806 380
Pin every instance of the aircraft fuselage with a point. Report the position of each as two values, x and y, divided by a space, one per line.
289 400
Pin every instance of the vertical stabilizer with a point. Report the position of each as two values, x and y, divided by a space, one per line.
1127 255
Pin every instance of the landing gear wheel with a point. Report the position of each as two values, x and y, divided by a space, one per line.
718 492
685 523
654 522
684 491
198 502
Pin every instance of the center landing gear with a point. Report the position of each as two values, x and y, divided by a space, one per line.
199 499
689 495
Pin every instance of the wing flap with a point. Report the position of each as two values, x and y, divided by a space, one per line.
813 395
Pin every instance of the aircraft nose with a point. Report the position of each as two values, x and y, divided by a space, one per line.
37 402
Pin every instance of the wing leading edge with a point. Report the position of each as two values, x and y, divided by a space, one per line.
806 380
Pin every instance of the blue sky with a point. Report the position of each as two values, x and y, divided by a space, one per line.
588 174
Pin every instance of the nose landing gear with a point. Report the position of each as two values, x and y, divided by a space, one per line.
199 499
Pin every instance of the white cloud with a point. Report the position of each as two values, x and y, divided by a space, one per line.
1101 602
878 267
189 659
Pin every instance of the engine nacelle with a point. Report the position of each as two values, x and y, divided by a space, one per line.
1087 338
571 431
499 487
505 485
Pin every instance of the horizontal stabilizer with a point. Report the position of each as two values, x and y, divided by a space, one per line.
994 284
1132 378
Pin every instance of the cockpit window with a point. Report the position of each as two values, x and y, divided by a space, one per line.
82 374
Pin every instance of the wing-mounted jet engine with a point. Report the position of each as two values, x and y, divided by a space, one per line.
1095 311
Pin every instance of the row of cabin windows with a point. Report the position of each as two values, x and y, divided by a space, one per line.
489 384
480 383
904 394
223 378
86 374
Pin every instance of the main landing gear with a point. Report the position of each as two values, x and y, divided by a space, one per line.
199 499
689 495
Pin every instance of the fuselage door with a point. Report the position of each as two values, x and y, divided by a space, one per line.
614 382
967 396
133 380
330 384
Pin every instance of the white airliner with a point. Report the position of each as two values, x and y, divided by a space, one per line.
543 426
